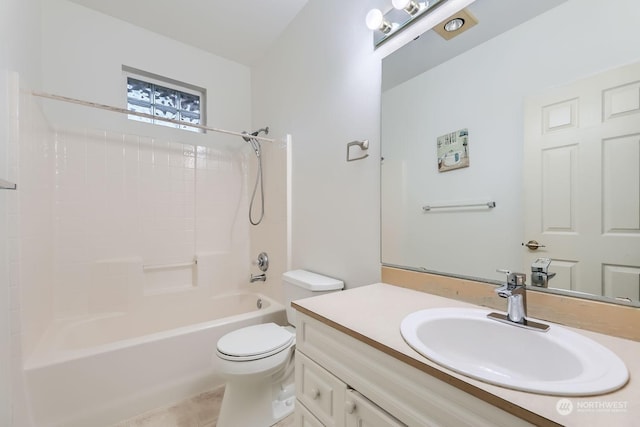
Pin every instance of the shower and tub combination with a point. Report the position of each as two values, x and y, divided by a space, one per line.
96 372
102 364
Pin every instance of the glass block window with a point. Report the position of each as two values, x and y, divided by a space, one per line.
166 99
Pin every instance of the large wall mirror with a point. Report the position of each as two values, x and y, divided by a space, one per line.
540 102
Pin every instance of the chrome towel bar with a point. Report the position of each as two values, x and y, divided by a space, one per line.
364 146
6 185
489 205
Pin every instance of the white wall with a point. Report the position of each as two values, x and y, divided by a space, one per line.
5 332
19 65
483 90
321 84
129 194
270 235
83 55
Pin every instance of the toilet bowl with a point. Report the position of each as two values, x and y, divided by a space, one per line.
258 361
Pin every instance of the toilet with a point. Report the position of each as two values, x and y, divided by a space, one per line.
257 361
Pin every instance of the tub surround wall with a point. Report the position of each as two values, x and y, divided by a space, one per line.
31 218
30 236
124 203
273 234
20 50
611 319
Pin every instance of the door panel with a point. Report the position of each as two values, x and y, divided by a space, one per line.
582 183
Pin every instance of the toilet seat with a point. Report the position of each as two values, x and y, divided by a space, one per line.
254 342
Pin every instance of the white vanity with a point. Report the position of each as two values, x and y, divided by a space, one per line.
353 368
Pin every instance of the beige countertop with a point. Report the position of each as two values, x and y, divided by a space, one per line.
373 314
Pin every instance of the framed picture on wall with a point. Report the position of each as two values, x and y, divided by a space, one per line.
453 150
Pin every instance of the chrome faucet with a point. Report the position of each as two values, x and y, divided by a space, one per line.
516 294
540 275
263 264
258 278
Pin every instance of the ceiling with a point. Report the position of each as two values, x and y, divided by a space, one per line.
429 50
241 31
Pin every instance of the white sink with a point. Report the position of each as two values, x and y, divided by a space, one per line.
556 362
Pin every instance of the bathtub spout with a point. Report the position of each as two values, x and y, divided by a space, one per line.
258 277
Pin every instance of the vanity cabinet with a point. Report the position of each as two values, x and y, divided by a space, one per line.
362 412
324 400
342 381
319 391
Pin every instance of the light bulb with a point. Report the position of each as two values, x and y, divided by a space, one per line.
400 4
409 6
454 25
374 19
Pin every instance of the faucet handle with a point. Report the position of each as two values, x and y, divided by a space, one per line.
519 279
514 279
505 271
541 265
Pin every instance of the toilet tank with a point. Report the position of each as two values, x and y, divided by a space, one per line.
299 284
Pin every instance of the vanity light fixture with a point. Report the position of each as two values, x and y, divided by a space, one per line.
375 21
406 12
409 6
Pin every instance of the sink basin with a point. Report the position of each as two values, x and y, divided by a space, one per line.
557 362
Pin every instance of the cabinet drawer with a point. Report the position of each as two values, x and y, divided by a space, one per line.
360 411
322 393
304 418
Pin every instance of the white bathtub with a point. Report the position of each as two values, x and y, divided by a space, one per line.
96 372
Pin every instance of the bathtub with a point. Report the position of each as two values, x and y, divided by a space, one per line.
98 371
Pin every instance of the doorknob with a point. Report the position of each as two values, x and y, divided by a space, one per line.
533 245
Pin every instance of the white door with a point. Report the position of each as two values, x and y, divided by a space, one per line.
582 183
360 412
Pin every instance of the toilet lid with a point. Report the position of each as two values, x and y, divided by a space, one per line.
254 342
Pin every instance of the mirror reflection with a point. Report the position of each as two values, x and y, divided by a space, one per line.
550 113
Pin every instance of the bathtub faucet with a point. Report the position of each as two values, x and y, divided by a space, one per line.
258 278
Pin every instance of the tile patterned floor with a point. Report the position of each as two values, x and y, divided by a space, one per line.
199 411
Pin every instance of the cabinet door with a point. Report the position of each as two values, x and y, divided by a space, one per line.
304 418
321 392
361 412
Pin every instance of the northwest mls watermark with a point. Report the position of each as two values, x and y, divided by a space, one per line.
567 407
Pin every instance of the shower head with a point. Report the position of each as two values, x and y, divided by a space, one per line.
256 133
